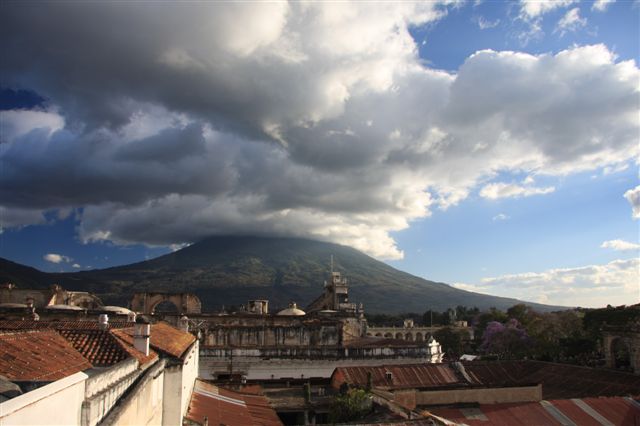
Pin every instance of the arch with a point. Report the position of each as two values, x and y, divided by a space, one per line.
369 335
388 335
620 353
378 334
165 307
408 337
399 336
419 337
186 303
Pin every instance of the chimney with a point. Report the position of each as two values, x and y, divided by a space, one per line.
131 316
141 333
183 323
103 319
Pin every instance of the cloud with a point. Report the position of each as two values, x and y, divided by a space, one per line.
500 217
633 197
535 8
620 245
56 258
494 191
602 5
571 21
76 265
485 24
321 121
614 283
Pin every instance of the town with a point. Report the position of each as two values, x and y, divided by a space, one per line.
65 358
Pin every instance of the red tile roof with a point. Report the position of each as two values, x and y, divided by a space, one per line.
59 325
39 356
402 376
127 344
100 347
584 412
223 406
164 338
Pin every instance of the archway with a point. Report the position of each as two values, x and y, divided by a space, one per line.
620 354
419 337
165 307
388 335
399 336
408 337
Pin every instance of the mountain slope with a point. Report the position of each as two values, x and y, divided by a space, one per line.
232 270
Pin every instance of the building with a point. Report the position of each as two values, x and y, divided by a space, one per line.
101 372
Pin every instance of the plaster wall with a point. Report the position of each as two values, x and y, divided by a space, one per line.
104 388
178 386
58 403
479 395
143 406
266 369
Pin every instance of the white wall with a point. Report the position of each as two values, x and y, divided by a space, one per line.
58 403
178 385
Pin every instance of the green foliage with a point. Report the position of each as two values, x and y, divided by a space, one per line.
452 340
353 405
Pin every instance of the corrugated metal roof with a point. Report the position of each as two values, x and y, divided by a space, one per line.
100 347
223 406
403 376
559 381
583 412
164 338
39 356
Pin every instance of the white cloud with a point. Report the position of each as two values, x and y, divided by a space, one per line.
485 24
320 122
571 21
500 217
602 5
633 196
536 8
56 258
76 265
494 191
620 245
615 283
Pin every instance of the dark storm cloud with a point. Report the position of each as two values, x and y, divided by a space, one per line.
167 122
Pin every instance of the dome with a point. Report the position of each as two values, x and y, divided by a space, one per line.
292 310
114 310
13 305
64 307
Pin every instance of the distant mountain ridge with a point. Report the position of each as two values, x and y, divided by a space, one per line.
229 270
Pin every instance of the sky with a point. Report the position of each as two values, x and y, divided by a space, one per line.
491 145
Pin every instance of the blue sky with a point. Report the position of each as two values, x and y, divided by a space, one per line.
380 126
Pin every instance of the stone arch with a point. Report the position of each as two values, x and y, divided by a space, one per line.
622 347
388 335
369 335
408 337
419 337
399 336
620 353
186 303
378 334
165 307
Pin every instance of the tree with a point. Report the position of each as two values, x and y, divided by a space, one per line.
452 340
507 341
353 405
